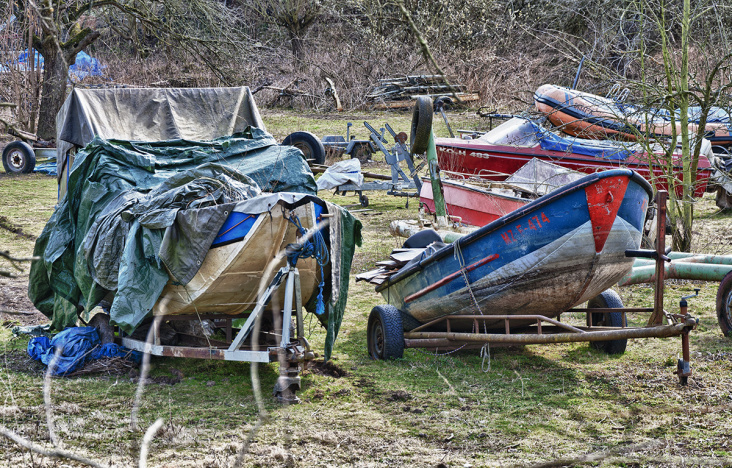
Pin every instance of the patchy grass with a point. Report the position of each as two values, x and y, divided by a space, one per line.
520 406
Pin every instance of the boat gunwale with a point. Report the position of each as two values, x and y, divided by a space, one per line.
537 151
509 218
472 188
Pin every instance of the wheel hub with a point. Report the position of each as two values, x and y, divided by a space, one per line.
16 159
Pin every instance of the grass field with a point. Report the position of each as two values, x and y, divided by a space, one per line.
535 405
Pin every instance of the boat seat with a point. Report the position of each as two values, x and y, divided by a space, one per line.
422 239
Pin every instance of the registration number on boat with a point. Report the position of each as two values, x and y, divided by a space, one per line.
532 223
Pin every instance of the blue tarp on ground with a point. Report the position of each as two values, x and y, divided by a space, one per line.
84 65
77 345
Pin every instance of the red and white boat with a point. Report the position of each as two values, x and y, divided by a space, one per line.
502 151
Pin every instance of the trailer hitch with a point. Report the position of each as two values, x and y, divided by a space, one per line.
683 366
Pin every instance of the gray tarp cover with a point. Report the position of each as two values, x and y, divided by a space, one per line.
132 206
152 114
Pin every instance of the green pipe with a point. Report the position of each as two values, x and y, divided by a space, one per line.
686 257
437 194
676 270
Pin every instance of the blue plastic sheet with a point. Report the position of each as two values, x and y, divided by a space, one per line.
83 66
77 345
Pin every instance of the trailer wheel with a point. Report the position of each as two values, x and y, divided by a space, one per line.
608 300
363 200
19 158
724 305
421 125
385 333
309 144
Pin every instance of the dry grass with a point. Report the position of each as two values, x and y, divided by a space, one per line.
536 404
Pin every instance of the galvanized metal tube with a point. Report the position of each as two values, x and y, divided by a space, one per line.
660 331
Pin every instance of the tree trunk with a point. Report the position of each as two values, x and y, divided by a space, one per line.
297 45
53 93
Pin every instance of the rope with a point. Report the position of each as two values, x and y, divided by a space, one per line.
314 247
485 353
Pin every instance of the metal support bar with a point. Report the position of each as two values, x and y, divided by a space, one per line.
287 311
261 304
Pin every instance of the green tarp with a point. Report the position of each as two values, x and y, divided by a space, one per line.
128 205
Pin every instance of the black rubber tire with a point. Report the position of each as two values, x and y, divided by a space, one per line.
608 300
385 333
409 323
309 144
421 125
19 158
443 102
363 200
724 305
422 239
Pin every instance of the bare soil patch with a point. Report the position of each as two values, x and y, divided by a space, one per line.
15 305
6 224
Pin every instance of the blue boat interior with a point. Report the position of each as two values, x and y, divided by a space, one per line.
237 226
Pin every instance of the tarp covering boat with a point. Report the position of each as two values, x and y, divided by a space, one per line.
133 214
152 114
523 132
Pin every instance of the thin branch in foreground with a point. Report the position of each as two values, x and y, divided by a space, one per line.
149 435
47 398
52 453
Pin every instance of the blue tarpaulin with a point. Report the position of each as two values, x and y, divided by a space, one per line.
78 346
84 65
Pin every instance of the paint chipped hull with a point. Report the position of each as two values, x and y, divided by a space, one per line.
553 254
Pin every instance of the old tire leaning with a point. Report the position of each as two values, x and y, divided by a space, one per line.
310 145
385 333
19 158
724 305
421 125
608 300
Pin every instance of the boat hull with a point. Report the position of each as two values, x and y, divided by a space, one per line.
231 274
553 254
587 115
470 204
496 162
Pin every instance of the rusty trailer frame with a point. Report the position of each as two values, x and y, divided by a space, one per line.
550 330
293 352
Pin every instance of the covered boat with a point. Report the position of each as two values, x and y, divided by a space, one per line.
590 116
190 229
502 151
554 253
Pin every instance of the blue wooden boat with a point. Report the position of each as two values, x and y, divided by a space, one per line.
556 252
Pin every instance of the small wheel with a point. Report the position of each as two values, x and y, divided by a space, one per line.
19 158
309 144
421 125
362 152
724 305
385 333
364 200
608 300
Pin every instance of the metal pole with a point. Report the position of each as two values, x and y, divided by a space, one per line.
437 193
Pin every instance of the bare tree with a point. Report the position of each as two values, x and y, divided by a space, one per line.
66 28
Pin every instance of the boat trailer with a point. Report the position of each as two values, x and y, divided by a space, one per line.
602 332
292 352
399 184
